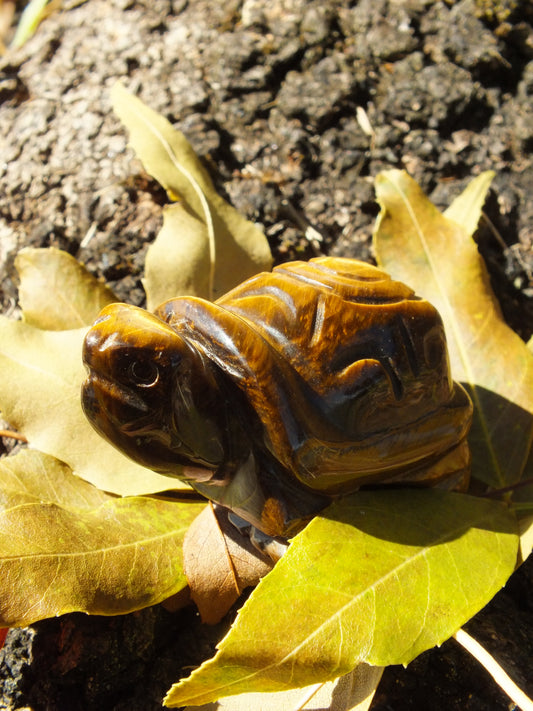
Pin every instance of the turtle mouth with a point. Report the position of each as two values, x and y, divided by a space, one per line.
102 389
121 418
110 407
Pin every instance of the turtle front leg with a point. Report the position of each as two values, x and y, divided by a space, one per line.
273 547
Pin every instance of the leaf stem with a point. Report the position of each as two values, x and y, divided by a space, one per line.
13 435
495 493
501 677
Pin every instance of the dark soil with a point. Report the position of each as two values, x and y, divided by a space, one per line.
269 93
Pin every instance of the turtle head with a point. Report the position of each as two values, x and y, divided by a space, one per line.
149 392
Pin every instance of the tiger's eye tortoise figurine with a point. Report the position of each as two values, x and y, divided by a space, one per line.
296 387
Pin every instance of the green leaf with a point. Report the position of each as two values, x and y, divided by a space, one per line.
233 248
181 242
352 692
56 292
31 477
436 256
526 537
66 546
379 578
41 373
466 209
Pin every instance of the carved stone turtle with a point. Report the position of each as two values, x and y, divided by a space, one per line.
296 387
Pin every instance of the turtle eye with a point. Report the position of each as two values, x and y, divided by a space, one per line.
143 373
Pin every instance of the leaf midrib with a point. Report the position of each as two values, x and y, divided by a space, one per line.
445 536
451 319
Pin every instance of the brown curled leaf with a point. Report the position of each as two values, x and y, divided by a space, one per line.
219 564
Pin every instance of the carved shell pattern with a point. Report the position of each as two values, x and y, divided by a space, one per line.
333 374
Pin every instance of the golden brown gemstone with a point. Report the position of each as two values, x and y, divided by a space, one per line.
297 386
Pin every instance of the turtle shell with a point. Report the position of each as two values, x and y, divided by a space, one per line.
346 369
299 385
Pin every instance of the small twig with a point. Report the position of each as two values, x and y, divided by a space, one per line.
501 677
311 234
88 236
71 4
13 435
495 493
494 231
